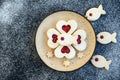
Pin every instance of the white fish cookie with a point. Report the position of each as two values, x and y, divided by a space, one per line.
100 62
106 37
95 13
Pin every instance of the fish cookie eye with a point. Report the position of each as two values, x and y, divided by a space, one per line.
96 59
101 36
90 14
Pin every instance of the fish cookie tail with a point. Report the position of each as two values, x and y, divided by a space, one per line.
114 37
100 7
107 64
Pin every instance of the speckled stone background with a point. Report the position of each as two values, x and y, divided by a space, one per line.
19 20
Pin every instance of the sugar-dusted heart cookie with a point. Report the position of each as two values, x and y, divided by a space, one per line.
80 43
53 38
66 26
65 51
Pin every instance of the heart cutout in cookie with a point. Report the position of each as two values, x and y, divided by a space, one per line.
65 49
79 39
54 38
66 28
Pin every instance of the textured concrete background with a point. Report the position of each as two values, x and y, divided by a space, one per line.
19 20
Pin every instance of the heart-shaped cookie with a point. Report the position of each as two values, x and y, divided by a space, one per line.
65 51
80 43
66 27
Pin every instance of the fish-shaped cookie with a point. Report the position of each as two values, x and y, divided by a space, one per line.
106 37
94 13
100 62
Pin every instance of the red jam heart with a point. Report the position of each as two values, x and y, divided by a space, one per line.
54 36
65 49
66 28
79 39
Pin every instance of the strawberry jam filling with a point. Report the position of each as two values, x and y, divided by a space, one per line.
54 38
96 59
66 28
79 39
62 38
101 37
90 14
65 49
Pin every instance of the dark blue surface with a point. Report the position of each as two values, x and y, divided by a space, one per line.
19 20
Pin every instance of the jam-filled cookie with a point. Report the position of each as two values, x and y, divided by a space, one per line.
94 14
106 37
100 62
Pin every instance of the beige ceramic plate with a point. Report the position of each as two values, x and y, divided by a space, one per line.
50 22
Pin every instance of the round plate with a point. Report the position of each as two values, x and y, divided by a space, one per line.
50 22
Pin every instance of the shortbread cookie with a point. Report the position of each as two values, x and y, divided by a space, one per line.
106 37
80 43
66 27
65 51
100 62
94 14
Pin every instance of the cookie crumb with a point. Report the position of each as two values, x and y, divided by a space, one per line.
66 63
49 54
80 55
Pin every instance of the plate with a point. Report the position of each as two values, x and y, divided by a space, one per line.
50 22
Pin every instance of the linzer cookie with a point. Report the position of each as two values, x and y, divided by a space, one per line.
100 62
106 37
94 13
65 41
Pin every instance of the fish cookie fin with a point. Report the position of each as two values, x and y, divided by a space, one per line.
100 7
114 37
107 64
